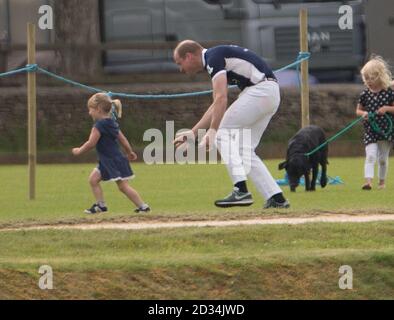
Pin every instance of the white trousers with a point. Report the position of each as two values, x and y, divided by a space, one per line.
240 131
377 152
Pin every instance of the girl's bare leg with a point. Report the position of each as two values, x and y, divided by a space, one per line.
130 193
94 181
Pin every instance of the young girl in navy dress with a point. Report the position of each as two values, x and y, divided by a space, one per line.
113 165
377 98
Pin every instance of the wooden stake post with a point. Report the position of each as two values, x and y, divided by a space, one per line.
304 68
32 106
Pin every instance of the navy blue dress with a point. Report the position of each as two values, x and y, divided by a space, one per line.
113 164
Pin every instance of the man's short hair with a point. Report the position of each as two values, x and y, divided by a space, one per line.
187 46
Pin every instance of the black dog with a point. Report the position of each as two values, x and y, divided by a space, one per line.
298 164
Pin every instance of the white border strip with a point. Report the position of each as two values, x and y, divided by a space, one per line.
186 224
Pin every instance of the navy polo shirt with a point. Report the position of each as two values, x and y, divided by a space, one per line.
244 68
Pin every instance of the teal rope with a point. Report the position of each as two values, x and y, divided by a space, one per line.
335 136
161 96
35 68
28 68
302 56
68 80
374 125
31 67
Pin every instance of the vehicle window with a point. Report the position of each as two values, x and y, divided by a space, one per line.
220 2
290 1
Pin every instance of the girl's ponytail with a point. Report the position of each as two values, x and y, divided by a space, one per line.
117 105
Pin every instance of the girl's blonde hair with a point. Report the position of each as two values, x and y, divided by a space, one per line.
378 71
103 102
118 107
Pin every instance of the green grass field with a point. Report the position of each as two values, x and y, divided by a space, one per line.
255 262
249 262
174 190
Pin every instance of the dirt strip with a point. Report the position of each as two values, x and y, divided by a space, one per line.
338 218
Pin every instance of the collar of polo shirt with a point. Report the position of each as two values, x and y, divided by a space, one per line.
203 57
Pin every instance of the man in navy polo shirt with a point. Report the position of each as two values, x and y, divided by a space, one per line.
251 112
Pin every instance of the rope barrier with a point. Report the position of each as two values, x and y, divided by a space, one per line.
31 67
335 136
371 117
302 56
12 72
68 80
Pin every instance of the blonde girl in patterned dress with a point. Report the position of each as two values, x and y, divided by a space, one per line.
377 98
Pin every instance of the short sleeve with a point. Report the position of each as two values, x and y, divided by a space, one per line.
99 125
362 98
391 97
215 65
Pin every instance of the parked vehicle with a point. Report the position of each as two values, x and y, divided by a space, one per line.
268 27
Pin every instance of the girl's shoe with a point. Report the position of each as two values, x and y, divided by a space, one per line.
366 187
142 209
96 209
381 186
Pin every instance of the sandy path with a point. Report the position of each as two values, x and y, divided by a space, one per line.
338 218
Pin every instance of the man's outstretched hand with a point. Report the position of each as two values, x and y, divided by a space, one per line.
182 137
208 141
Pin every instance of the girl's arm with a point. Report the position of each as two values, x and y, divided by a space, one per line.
131 155
90 144
361 112
384 109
